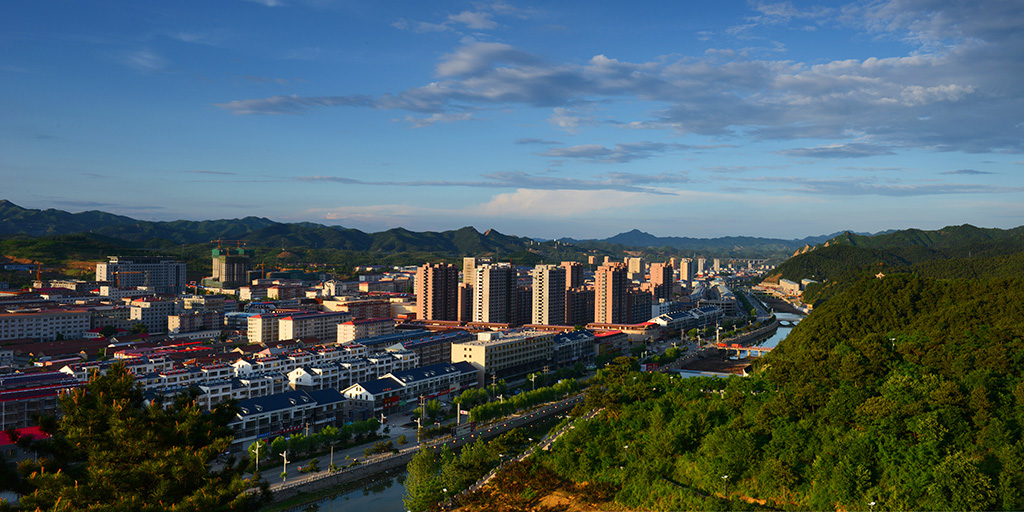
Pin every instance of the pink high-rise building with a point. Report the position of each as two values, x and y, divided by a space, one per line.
610 304
661 281
573 274
437 292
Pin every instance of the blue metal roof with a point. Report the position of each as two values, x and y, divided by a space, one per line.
439 338
388 339
572 336
280 401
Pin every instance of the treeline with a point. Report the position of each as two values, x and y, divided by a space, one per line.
269 452
435 477
522 401
903 391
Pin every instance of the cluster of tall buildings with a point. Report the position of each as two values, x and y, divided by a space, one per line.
500 293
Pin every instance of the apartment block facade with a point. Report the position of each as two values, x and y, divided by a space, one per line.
158 273
437 292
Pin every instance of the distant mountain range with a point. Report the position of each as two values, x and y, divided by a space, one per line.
637 238
259 231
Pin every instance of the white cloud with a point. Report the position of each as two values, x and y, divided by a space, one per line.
476 58
625 152
474 20
268 3
567 120
420 27
962 94
144 60
853 150
558 203
422 122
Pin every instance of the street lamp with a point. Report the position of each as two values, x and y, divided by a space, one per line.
725 484
872 506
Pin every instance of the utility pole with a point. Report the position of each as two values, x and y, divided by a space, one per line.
257 456
284 472
419 420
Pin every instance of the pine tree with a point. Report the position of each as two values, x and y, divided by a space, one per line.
113 451
423 485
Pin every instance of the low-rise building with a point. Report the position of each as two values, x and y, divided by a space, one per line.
285 413
357 329
396 390
44 324
506 354
573 347
320 325
23 396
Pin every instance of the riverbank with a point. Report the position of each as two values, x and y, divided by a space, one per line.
780 305
719 365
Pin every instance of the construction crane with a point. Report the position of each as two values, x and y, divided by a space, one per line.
117 274
219 241
39 274
40 270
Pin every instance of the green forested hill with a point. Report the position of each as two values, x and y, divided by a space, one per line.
952 252
949 237
904 391
256 231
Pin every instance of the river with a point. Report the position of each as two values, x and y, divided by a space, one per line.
782 332
382 495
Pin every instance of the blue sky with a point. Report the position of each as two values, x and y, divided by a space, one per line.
581 119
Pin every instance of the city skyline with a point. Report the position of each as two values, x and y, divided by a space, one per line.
574 120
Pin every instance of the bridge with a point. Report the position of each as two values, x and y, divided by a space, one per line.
788 323
750 351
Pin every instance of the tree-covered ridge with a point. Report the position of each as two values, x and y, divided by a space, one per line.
949 237
903 391
953 252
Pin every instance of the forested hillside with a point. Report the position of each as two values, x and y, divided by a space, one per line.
952 252
905 391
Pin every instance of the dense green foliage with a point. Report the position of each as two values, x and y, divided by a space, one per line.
904 391
437 476
515 403
952 252
113 452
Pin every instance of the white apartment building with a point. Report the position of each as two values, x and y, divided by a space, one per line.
492 293
44 325
319 324
160 273
265 327
365 328
548 295
506 352
153 313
